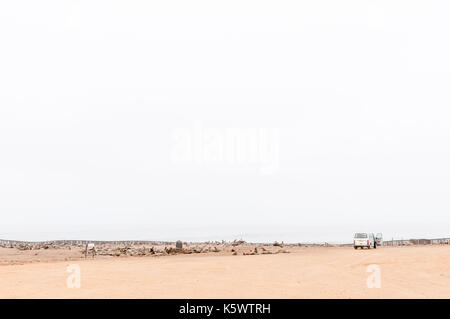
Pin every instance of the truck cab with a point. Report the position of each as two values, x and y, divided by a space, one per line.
379 239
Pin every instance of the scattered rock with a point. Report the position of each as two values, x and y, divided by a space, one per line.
237 242
249 254
277 244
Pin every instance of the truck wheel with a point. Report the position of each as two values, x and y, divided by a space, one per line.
375 246
355 247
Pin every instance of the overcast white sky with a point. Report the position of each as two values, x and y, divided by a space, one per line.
91 93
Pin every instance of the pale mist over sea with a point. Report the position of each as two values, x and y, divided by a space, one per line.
295 121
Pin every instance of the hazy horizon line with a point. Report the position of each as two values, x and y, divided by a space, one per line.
208 241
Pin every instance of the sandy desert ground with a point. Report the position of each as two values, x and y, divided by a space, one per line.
304 272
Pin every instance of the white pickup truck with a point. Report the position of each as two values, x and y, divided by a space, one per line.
361 240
